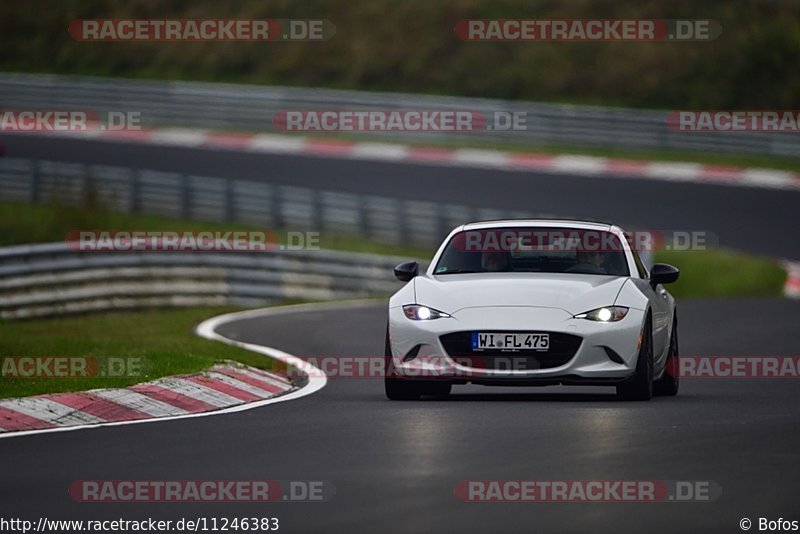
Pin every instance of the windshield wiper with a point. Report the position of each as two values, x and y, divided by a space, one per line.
458 271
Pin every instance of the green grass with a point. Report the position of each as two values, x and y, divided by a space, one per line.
723 273
163 339
40 223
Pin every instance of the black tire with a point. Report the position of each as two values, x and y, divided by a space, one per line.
397 388
669 383
640 386
438 388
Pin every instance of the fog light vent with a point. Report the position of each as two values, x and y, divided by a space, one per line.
412 354
613 356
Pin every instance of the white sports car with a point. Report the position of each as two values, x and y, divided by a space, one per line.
533 302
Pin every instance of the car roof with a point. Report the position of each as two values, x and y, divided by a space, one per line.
538 223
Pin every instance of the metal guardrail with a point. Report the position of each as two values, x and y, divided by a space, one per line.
260 204
249 107
52 279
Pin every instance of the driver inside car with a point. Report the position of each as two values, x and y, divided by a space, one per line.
588 261
495 262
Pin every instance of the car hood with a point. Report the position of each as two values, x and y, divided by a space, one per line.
574 293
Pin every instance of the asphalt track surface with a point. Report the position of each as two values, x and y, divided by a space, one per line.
395 465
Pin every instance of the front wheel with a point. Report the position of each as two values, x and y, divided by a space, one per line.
669 382
640 387
396 388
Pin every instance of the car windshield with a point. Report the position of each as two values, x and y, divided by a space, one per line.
534 250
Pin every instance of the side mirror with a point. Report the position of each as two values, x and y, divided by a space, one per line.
662 273
406 271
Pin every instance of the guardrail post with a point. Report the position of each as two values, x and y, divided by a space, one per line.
361 216
186 197
441 231
317 212
230 201
36 181
276 199
134 194
402 221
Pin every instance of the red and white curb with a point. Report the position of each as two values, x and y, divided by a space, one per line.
460 157
792 287
224 388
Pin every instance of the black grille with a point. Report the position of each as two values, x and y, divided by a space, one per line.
563 347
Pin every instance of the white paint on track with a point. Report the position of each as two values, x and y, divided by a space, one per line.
180 136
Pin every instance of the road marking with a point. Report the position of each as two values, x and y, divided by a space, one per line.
481 158
276 143
678 172
179 136
379 151
579 164
792 287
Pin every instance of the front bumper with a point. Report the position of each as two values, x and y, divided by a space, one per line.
418 351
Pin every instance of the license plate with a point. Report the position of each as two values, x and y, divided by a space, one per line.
510 342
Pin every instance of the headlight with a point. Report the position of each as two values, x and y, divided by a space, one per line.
608 314
417 312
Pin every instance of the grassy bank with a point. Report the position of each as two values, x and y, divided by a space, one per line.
40 223
723 273
162 343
